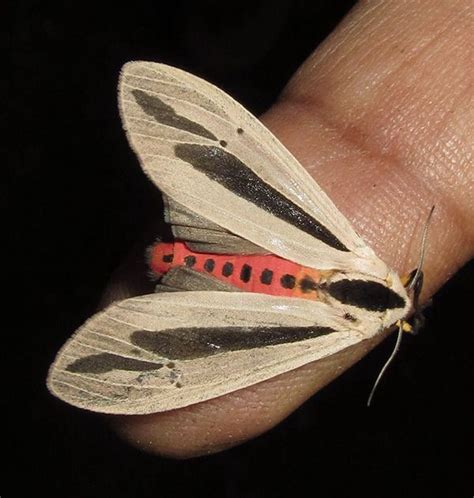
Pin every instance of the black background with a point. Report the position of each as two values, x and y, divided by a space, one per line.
86 202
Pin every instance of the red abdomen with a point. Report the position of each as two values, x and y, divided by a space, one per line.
263 273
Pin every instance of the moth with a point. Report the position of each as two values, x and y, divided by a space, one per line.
265 274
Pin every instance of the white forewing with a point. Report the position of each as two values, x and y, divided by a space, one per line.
166 110
164 351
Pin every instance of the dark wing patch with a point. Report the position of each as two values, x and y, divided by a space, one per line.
198 342
106 362
165 114
226 169
201 235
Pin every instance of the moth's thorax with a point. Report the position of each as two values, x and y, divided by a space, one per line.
367 298
356 294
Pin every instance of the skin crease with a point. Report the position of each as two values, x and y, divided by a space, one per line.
379 115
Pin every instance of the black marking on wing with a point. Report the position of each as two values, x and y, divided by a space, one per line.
106 362
163 113
226 169
365 294
349 317
199 342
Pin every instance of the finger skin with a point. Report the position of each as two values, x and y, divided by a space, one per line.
379 115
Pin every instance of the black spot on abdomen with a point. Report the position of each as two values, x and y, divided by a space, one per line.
288 281
227 269
307 284
266 277
209 265
245 273
190 261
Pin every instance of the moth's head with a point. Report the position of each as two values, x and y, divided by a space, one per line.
413 283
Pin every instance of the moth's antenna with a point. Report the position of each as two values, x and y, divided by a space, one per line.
419 270
414 286
387 363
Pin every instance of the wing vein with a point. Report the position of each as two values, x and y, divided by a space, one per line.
72 386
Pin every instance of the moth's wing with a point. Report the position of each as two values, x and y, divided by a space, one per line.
210 155
201 234
163 351
182 278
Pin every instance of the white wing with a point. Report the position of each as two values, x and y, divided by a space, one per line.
210 155
164 351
